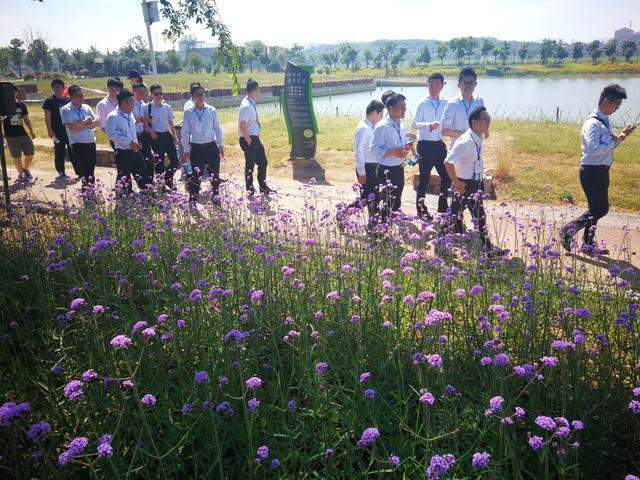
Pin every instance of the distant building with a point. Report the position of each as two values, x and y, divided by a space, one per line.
624 34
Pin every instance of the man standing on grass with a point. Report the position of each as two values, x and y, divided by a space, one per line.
163 136
202 144
121 130
389 150
465 168
109 103
79 120
431 149
598 142
366 164
19 142
455 119
56 130
254 153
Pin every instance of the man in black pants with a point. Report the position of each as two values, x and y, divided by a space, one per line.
142 121
163 136
465 168
254 154
431 148
56 130
202 144
598 142
80 121
120 127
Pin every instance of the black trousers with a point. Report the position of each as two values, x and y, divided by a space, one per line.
471 199
368 191
161 146
60 149
85 156
145 148
254 154
204 154
595 183
391 181
432 154
130 162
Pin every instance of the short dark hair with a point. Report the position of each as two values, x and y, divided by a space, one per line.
436 76
386 95
136 86
134 74
476 114
123 95
57 81
374 106
393 100
612 93
195 86
73 89
155 86
467 72
114 82
251 85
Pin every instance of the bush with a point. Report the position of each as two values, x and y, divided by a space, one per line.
29 76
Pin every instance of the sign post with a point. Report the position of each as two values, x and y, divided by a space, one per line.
297 105
150 13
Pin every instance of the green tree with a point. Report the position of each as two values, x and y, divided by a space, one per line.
367 57
610 50
296 54
505 51
424 57
470 45
595 51
258 51
397 58
387 52
5 60
38 55
577 51
561 52
174 61
195 62
348 55
487 47
523 52
547 50
628 49
17 54
459 48
496 53
442 48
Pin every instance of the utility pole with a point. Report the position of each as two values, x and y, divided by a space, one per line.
150 14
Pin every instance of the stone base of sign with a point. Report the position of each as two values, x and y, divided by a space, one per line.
105 157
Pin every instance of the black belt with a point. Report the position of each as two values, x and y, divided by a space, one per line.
203 144
598 167
431 141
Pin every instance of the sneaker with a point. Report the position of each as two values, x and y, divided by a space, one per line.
267 190
21 178
565 239
28 174
251 193
63 176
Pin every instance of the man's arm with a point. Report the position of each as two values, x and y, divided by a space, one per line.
27 122
185 134
218 131
47 120
243 115
459 185
447 122
360 151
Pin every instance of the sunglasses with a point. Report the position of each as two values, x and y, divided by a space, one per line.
157 94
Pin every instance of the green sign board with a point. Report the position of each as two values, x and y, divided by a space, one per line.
297 105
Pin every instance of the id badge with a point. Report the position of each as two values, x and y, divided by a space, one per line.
199 127
16 121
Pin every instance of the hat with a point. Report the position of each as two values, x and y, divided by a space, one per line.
134 74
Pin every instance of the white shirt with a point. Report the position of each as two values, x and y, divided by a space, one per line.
162 114
70 114
200 126
121 129
466 156
103 109
387 135
597 143
364 134
248 112
139 111
188 104
429 111
456 114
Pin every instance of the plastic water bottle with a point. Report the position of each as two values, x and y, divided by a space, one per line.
413 161
188 169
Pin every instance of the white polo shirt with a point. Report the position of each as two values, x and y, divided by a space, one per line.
162 114
427 112
456 114
248 112
466 156
361 144
103 109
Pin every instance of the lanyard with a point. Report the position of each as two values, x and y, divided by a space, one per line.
78 112
436 106
477 162
126 117
256 110
111 102
397 129
467 108
199 115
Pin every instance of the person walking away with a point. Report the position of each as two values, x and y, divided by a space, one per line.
598 142
431 148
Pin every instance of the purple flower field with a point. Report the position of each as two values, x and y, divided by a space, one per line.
142 340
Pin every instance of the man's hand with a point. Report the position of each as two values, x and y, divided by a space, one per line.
362 179
176 142
221 152
152 134
459 186
186 155
87 120
397 152
629 130
248 140
133 146
434 126
33 135
52 135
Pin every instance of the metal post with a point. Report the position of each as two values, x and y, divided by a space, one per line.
5 177
145 13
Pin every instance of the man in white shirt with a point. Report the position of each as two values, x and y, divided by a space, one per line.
142 121
388 147
366 164
202 143
189 103
80 121
109 103
598 142
431 148
465 168
254 153
163 136
455 119
121 130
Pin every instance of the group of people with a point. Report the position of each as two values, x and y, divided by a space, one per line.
142 134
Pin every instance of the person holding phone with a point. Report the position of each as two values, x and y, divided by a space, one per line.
598 143
163 135
431 149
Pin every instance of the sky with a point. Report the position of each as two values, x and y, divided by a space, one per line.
107 24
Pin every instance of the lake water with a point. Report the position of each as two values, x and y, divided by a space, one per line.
534 98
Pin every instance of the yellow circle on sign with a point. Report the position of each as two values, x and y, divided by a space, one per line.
308 133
